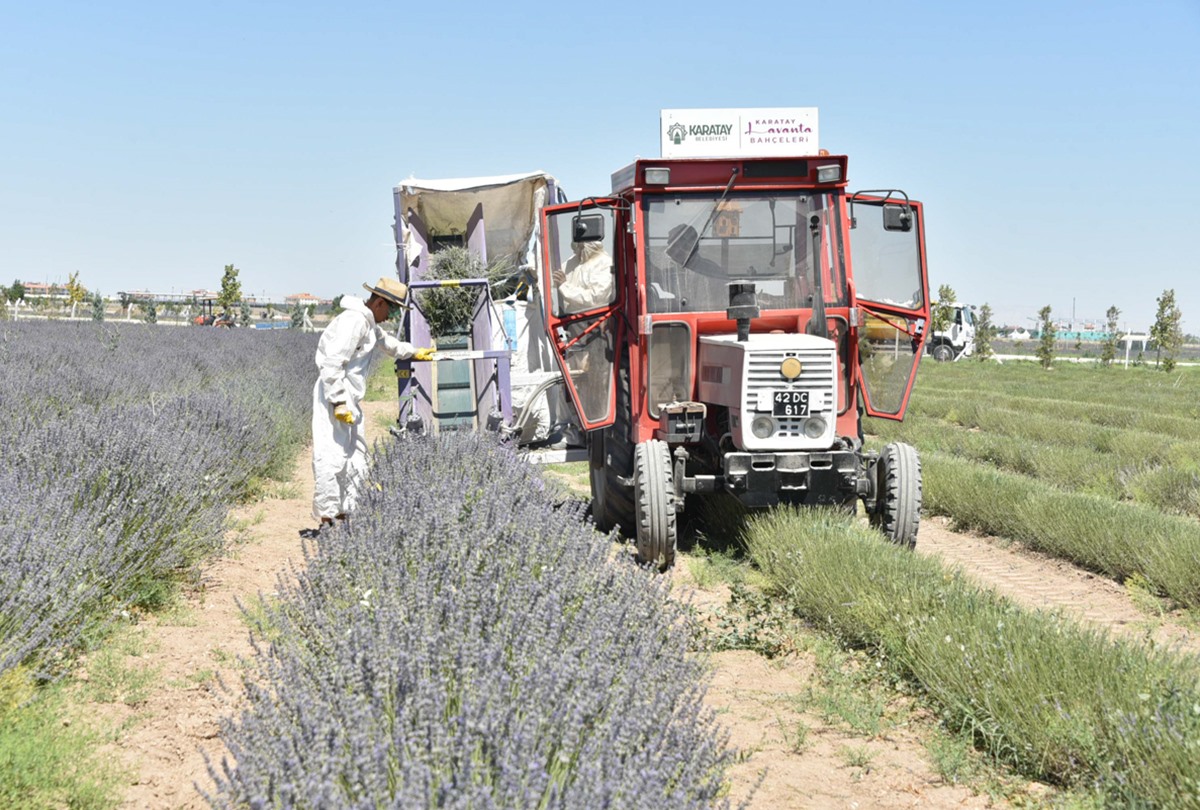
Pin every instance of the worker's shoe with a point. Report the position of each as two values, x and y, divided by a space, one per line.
555 441
325 527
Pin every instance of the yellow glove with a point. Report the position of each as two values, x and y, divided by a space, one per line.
424 354
342 413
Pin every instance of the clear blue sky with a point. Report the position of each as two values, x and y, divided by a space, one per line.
146 145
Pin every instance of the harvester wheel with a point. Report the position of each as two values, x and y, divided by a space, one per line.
898 494
654 494
610 459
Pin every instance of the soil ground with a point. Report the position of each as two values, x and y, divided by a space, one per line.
167 729
193 654
794 755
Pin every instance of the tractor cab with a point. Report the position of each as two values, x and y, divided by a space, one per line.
723 323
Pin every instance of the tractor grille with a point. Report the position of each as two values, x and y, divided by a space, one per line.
818 376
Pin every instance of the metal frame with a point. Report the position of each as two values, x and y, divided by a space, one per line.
492 367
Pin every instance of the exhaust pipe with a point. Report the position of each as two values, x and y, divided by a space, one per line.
743 306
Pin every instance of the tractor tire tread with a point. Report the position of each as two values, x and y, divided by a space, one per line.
655 492
898 507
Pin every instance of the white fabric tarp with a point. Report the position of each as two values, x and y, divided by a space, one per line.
510 211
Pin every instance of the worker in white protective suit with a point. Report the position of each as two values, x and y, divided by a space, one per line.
345 353
586 279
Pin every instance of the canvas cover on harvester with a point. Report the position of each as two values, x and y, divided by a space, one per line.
510 204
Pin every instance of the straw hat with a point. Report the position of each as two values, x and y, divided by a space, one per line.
389 290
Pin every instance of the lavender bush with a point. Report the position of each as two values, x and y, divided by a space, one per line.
1055 699
468 642
123 447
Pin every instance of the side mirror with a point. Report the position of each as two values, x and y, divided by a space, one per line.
897 218
587 228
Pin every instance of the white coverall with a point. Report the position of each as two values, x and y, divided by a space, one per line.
344 356
588 278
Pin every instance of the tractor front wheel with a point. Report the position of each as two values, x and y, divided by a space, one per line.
654 501
897 511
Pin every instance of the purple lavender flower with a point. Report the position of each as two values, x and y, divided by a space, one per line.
465 643
123 447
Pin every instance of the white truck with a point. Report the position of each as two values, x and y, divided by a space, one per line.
957 340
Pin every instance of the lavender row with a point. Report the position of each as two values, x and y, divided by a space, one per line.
468 642
123 448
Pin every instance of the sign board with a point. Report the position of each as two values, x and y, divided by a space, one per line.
756 132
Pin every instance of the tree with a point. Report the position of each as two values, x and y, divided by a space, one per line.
942 312
1045 349
76 292
336 308
1167 331
985 330
97 307
231 289
151 308
244 315
16 291
1108 349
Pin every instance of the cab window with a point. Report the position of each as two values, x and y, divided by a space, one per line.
582 274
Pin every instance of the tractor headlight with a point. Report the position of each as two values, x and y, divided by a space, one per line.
814 427
763 427
829 174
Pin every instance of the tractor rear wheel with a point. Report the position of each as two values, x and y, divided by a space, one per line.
610 459
897 510
654 496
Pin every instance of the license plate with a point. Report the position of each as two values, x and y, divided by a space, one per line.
790 403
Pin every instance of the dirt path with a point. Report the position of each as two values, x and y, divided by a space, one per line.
792 756
164 737
1038 581
197 648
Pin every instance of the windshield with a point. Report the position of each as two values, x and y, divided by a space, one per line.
696 244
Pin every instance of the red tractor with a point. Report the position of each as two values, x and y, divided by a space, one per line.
723 325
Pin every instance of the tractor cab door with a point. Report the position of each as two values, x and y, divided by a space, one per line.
579 277
891 286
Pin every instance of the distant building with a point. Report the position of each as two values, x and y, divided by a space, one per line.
37 289
303 299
